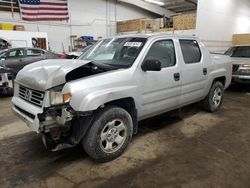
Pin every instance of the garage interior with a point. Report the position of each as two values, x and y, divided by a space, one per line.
187 147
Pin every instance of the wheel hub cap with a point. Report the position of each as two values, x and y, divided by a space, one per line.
217 97
112 134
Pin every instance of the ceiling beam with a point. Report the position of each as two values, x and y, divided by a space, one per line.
191 2
149 7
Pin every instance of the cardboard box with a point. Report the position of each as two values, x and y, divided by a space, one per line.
165 29
241 39
139 25
6 26
19 27
184 21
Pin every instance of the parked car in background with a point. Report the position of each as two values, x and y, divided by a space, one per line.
241 63
17 58
98 99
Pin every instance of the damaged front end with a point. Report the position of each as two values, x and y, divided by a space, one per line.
43 106
62 127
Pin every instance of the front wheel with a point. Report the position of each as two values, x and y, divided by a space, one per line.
214 99
109 135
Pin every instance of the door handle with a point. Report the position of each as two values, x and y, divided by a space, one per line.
205 71
176 76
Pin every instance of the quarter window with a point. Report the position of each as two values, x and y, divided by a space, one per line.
190 51
162 51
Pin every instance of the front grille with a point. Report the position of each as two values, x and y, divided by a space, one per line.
32 96
235 68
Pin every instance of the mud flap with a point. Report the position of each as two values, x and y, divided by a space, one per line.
80 127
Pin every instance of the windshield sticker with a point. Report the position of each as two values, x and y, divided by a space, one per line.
133 44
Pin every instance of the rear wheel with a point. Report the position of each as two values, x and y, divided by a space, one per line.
214 99
109 135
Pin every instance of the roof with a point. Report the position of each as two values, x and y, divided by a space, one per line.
160 34
26 48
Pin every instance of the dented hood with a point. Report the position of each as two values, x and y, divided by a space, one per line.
46 74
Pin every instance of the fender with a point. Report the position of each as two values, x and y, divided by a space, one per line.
83 102
217 73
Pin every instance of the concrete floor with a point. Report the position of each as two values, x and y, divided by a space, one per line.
191 149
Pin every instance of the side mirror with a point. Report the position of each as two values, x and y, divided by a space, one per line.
151 65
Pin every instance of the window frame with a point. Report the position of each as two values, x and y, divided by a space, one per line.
159 40
201 55
12 50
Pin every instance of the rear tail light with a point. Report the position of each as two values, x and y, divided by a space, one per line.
62 56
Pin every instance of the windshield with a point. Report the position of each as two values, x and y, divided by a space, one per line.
239 51
116 52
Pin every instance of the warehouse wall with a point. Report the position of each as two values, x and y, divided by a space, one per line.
95 18
217 20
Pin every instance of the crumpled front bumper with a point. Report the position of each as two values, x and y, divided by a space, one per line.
27 112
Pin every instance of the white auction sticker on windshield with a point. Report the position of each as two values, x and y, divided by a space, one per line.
133 44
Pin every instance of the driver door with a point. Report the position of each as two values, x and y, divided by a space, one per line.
161 90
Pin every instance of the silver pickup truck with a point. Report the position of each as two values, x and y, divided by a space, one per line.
241 63
98 99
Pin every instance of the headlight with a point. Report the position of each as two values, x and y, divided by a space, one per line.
246 66
59 98
16 89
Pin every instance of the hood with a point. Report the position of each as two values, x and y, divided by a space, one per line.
240 60
46 74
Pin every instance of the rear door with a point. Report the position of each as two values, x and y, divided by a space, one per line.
161 90
194 71
33 55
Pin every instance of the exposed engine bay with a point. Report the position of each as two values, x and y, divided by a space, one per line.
62 127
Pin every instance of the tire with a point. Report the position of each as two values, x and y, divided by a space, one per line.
214 99
109 135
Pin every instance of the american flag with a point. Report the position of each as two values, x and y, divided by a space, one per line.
44 10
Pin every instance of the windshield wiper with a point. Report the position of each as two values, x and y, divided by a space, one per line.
105 67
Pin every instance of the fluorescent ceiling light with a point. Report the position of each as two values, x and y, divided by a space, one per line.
155 2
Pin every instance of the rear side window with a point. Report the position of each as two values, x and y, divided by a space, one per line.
162 51
191 51
33 52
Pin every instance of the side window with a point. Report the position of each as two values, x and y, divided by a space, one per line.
15 53
162 51
12 54
190 51
33 52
